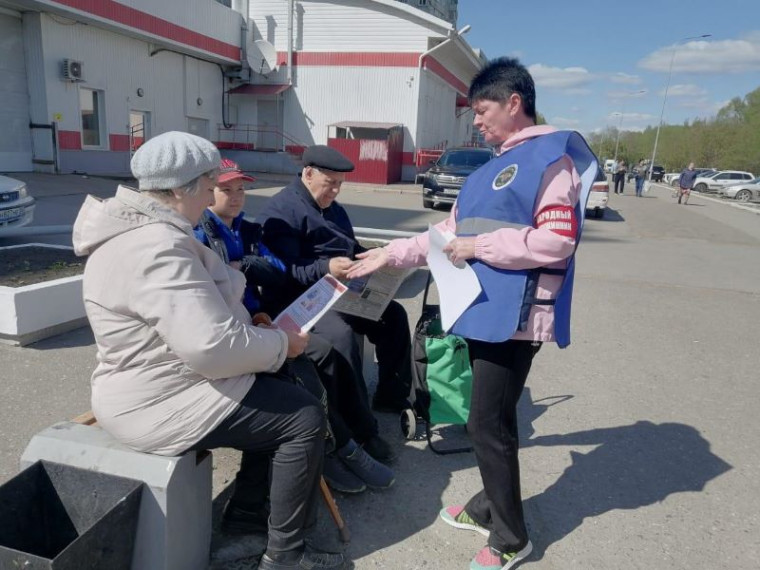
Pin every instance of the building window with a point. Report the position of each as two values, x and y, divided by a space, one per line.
197 127
93 117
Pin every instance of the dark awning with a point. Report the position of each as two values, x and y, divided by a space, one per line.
268 89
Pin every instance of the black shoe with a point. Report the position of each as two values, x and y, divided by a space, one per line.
389 406
375 474
237 520
380 449
309 560
339 477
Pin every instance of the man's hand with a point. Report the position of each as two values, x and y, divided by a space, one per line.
261 319
339 267
369 262
460 250
296 343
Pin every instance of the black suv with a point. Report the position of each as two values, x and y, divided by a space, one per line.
657 173
445 178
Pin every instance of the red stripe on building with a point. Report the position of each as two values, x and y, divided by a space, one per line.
118 142
115 12
351 59
69 140
438 68
407 158
373 59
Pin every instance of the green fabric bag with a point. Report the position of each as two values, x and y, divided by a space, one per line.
449 379
442 378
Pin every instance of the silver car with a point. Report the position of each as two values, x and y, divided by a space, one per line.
747 192
16 206
714 182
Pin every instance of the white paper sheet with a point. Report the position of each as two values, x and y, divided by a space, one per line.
304 312
458 287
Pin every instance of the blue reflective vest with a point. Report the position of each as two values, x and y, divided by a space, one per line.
503 194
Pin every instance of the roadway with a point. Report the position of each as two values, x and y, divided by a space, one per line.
639 441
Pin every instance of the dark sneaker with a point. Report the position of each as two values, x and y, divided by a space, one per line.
457 517
308 560
339 477
236 520
380 449
362 464
491 559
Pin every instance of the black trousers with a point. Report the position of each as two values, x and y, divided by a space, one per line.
619 183
348 410
393 347
282 424
499 372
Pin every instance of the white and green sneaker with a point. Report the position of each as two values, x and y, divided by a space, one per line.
457 517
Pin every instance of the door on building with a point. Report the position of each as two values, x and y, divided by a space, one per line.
197 127
16 142
270 125
139 129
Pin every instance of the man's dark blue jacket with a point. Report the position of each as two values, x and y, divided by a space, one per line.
303 235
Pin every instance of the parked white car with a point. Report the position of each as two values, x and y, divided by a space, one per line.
718 180
673 177
599 195
16 206
748 192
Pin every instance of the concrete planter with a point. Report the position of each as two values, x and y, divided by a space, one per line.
34 312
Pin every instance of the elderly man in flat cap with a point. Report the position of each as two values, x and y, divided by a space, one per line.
307 229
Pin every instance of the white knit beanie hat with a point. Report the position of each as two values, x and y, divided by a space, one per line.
173 159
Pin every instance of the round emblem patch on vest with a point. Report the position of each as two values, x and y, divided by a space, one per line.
505 177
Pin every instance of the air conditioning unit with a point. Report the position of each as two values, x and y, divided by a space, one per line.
72 70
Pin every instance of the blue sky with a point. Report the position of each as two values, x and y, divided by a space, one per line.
591 58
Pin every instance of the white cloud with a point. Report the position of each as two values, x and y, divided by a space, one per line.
564 122
578 91
634 117
703 105
625 78
560 78
689 90
703 56
626 94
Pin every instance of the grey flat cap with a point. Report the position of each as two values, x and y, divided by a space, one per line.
321 156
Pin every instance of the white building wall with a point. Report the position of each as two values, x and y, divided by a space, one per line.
340 27
16 143
119 65
437 112
204 17
327 95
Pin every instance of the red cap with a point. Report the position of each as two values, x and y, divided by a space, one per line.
229 170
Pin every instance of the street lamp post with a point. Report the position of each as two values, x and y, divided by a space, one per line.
617 138
665 98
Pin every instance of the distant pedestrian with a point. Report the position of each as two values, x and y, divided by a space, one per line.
686 183
619 177
641 176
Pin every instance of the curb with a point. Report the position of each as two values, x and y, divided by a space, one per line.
715 200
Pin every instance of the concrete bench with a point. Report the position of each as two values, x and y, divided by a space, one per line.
174 525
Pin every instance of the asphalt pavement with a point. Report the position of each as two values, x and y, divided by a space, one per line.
639 441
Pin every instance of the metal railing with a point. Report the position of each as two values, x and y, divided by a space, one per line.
246 136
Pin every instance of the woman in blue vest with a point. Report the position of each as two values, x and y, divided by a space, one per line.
517 222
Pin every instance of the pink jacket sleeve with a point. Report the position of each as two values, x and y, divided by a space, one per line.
508 248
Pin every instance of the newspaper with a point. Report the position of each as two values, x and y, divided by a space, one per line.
368 296
304 312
